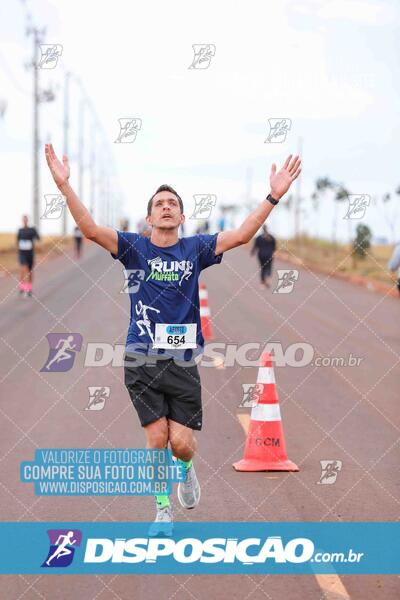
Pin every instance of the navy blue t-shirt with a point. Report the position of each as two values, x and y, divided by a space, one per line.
163 287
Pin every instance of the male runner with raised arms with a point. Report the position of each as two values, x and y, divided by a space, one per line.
164 335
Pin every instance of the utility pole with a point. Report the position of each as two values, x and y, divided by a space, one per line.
93 170
249 185
108 201
37 39
81 147
66 135
101 203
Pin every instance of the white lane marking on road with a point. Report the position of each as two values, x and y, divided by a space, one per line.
331 585
244 420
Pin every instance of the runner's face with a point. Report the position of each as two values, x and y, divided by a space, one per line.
165 211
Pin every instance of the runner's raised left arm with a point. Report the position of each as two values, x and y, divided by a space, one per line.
106 237
280 182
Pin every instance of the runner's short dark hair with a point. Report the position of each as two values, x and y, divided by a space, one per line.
164 188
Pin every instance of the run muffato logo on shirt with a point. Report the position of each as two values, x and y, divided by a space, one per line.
172 270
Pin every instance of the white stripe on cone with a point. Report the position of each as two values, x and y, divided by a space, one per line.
204 311
266 375
203 294
266 412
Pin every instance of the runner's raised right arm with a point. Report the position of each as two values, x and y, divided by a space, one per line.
104 236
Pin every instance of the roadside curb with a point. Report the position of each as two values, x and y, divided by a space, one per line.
360 280
51 255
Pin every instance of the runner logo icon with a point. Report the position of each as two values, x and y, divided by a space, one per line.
329 471
62 547
55 204
50 53
97 397
251 394
133 279
63 347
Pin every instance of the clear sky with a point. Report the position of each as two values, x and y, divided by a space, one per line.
331 66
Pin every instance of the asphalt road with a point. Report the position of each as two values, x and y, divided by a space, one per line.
343 413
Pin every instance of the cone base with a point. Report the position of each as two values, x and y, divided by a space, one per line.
247 464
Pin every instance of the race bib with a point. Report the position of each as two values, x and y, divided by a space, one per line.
168 335
25 244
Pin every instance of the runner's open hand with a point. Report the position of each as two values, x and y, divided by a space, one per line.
281 181
59 170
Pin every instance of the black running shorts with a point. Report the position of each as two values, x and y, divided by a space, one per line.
26 258
164 388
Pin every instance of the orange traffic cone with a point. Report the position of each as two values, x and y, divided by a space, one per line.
265 445
205 315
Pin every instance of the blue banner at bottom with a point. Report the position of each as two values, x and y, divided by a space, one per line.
202 547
